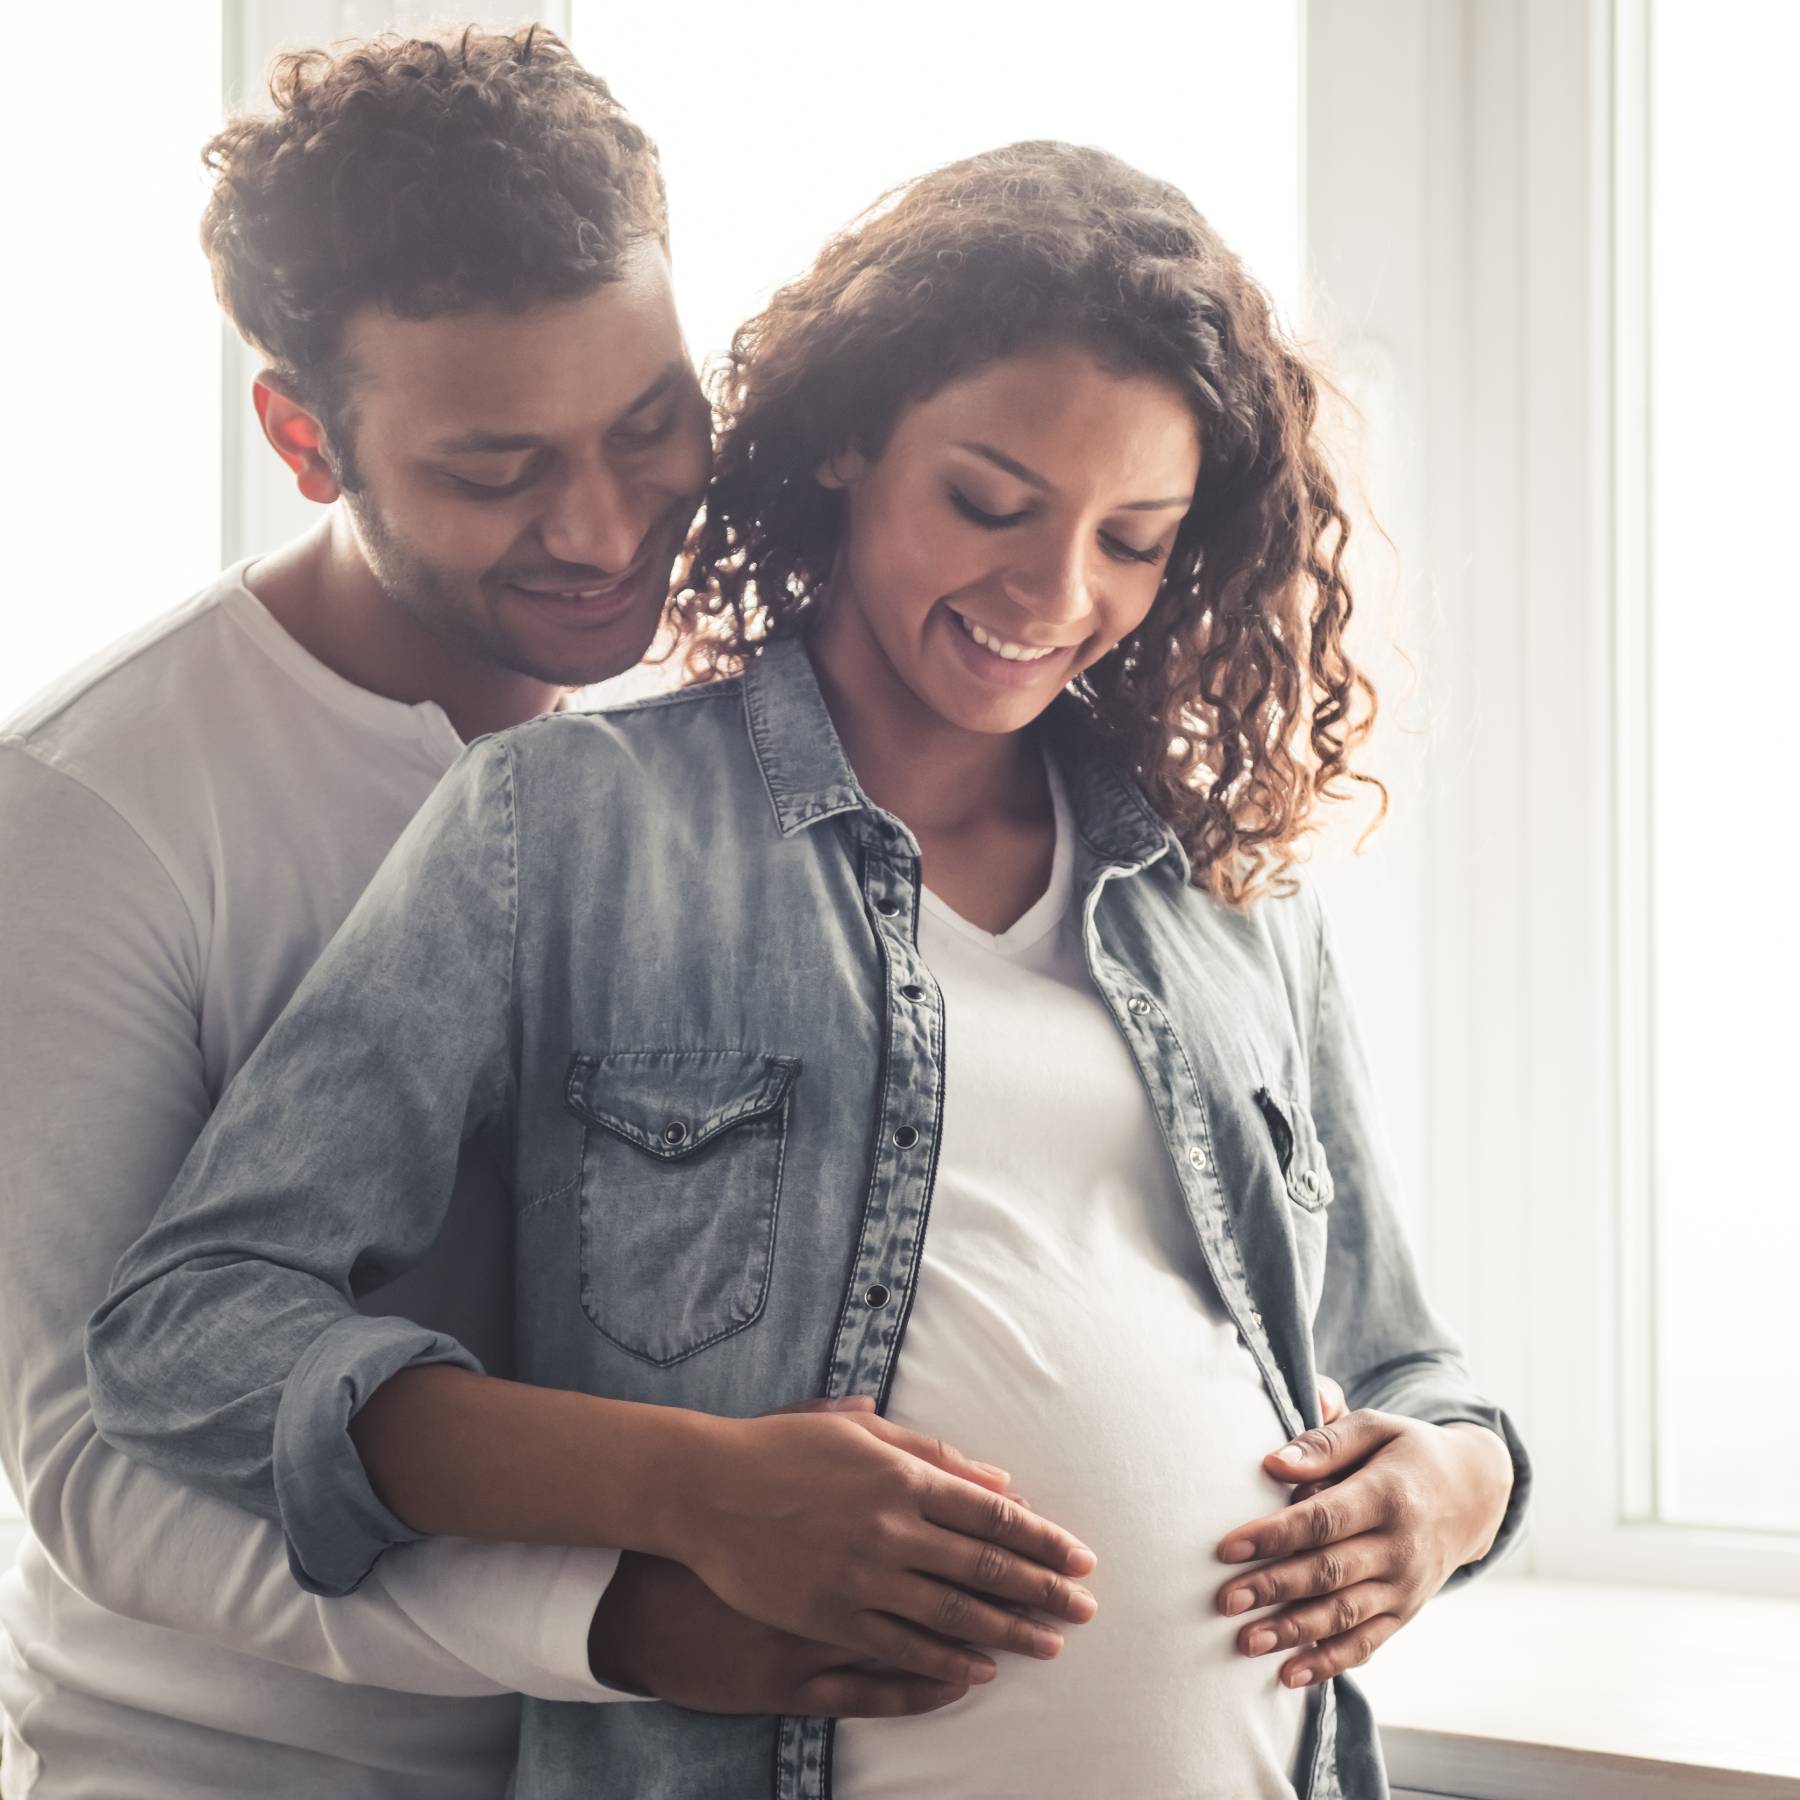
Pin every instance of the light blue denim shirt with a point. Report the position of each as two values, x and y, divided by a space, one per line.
664 961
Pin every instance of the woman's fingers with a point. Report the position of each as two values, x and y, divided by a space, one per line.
998 1574
1360 1502
954 1613
1337 1565
1336 1654
1307 1622
934 1451
995 1519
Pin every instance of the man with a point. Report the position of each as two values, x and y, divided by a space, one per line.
451 255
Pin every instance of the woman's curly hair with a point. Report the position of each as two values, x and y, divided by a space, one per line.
1235 705
422 175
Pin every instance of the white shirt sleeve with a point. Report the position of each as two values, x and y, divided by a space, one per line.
100 1066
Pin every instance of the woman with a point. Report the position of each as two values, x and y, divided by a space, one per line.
920 1011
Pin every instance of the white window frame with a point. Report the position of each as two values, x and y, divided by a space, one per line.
1463 165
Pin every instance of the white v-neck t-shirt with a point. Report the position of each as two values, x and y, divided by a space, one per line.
1065 1327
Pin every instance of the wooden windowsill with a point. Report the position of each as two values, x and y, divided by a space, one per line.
1568 1690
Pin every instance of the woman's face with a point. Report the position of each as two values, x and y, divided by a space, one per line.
1011 532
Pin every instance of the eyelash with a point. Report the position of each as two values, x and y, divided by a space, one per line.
626 440
999 521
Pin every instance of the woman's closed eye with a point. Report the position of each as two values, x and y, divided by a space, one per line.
990 521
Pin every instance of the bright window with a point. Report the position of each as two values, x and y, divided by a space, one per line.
1714 622
113 377
776 128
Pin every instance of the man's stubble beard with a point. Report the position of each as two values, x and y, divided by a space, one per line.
451 608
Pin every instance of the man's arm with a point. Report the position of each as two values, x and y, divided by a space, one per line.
101 1071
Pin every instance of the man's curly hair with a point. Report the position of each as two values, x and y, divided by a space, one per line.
1235 705
423 176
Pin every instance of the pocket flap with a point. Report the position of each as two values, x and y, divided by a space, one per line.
673 1102
1297 1149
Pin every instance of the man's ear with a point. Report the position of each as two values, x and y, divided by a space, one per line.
297 435
841 470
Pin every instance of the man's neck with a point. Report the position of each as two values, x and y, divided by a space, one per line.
324 595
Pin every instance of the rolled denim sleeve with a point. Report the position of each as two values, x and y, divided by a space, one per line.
229 1351
1375 1332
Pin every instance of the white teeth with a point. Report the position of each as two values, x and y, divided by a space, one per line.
1004 647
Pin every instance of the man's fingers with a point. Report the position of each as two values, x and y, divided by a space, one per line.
1314 1621
916 1652
1332 1404
994 1518
1337 1654
955 1613
857 1694
1346 1509
940 1455
1324 1571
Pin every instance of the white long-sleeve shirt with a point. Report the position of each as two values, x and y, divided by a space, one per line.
184 822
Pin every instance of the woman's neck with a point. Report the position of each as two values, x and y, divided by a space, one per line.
978 802
936 777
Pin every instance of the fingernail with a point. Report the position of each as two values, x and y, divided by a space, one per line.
1239 1600
1238 1550
1291 1453
1046 1644
1300 1678
993 1474
1260 1641
1082 1605
1080 1561
982 1671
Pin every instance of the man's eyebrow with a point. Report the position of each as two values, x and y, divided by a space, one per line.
1032 478
473 443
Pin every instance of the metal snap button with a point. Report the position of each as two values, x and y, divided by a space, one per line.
1197 1158
877 1295
888 908
1137 1004
912 991
905 1137
675 1132
1310 1181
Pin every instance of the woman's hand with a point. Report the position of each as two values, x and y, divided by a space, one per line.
841 1527
1393 1507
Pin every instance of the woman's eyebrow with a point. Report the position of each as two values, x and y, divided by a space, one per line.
1032 478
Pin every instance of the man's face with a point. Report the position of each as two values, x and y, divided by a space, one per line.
527 478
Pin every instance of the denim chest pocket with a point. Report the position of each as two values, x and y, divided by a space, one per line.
680 1191
1297 1148
1307 1180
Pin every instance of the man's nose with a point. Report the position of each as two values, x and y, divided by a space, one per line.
595 520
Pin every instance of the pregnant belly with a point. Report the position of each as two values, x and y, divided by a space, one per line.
1140 1428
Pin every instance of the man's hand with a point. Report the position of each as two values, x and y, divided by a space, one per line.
661 1631
1393 1508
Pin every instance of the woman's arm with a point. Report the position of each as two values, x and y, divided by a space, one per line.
1426 1481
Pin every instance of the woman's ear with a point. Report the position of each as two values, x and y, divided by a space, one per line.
843 469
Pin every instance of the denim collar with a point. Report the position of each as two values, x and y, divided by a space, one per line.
809 777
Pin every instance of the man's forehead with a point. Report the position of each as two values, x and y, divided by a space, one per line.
521 372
